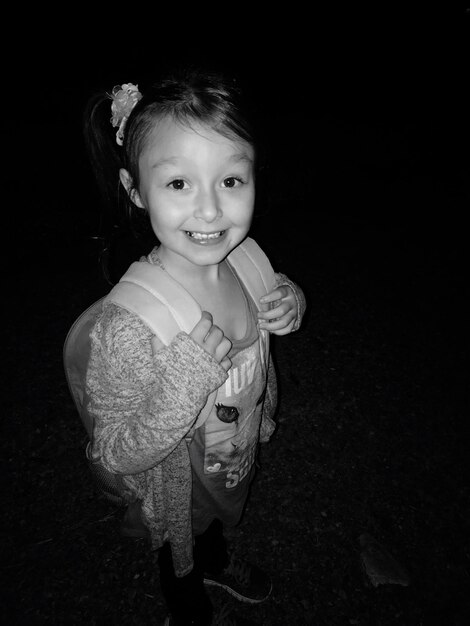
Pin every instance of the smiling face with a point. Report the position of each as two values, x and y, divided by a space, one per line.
199 190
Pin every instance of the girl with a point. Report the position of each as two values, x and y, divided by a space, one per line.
184 155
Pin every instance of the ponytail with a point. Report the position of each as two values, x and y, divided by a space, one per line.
106 159
104 153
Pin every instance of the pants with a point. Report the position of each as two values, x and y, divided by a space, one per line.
186 597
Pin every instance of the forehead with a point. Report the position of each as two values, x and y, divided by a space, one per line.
174 139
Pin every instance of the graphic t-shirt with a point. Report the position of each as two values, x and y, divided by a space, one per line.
223 450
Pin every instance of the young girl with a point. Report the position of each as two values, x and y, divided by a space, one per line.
184 155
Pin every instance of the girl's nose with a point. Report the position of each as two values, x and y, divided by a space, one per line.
207 206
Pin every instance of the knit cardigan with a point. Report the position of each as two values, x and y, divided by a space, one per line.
144 403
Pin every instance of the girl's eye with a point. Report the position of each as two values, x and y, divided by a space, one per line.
177 184
232 181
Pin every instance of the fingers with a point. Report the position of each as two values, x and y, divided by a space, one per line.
216 343
226 363
278 294
284 309
201 329
278 327
212 339
280 318
281 312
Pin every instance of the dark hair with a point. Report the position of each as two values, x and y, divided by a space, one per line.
188 96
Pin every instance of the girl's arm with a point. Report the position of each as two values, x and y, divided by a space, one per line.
143 403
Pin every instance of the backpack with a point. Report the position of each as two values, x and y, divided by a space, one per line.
167 309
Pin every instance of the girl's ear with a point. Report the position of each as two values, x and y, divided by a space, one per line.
127 183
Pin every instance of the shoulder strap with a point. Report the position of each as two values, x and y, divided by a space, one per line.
165 305
162 303
257 275
253 268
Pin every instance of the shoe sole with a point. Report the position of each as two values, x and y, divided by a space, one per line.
235 594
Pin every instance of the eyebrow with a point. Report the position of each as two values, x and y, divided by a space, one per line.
167 161
235 158
241 156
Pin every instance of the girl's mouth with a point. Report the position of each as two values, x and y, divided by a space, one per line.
205 238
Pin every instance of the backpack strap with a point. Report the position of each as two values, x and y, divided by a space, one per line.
254 270
159 300
257 275
164 305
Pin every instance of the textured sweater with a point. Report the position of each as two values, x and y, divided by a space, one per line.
144 399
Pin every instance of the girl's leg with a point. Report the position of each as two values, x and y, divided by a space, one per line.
210 550
185 597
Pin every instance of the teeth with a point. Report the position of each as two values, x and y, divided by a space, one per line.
204 236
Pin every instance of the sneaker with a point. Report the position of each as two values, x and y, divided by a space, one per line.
244 581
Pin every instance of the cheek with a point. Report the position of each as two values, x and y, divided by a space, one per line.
244 211
159 222
241 203
163 214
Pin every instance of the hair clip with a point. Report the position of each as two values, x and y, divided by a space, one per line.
124 98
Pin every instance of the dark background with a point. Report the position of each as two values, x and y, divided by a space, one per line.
365 205
365 112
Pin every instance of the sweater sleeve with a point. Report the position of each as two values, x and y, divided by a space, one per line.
281 279
143 404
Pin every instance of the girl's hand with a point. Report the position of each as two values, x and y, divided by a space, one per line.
212 340
281 318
